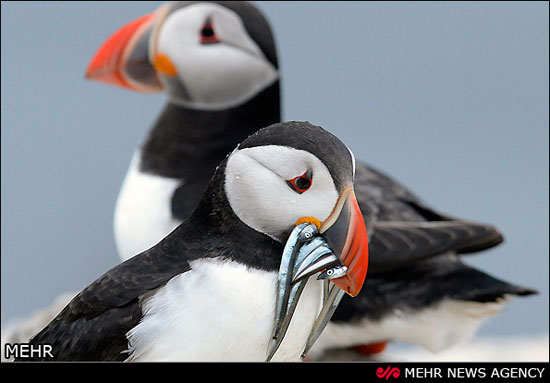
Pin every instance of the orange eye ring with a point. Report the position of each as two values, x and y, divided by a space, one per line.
301 183
208 34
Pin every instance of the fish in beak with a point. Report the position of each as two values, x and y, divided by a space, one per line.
338 248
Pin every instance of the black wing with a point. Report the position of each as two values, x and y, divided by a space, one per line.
421 285
94 324
403 229
401 243
413 261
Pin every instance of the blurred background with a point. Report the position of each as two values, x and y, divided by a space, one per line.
449 98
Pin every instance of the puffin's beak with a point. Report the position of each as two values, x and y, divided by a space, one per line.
345 232
123 59
339 246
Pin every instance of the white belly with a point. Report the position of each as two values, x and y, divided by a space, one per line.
435 328
220 311
143 210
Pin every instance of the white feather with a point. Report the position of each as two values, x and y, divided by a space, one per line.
435 328
257 191
216 76
143 213
219 311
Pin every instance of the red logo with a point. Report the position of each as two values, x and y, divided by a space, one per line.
388 372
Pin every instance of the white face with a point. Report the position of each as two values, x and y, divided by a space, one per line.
258 192
215 75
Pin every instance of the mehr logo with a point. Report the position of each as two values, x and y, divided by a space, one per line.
389 372
27 350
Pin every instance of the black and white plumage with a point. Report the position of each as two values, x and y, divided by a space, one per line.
207 290
408 239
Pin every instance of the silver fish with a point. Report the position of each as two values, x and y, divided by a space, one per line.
305 253
334 272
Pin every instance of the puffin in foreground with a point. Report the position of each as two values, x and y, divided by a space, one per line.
236 280
217 63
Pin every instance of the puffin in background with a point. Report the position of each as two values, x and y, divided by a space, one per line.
218 64
208 290
418 289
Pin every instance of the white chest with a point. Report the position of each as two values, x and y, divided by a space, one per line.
143 210
220 311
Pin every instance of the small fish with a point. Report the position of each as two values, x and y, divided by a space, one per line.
306 253
334 272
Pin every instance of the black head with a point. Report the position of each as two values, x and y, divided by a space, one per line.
285 172
300 135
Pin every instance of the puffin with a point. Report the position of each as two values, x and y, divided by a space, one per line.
208 290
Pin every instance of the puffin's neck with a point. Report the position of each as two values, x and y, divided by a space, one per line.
213 228
188 143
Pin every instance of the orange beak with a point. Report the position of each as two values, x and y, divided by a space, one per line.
123 59
345 232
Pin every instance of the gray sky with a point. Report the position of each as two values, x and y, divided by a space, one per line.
449 98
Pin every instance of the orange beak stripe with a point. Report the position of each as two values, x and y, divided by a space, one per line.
347 235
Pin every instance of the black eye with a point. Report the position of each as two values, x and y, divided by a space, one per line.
208 35
207 32
301 183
